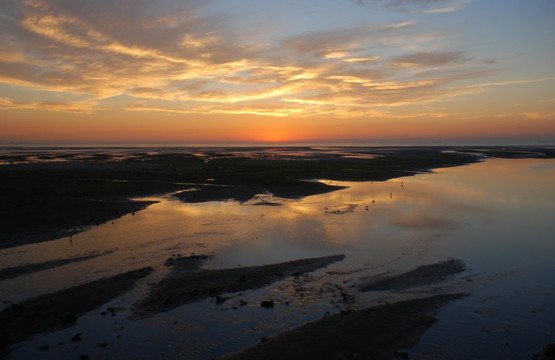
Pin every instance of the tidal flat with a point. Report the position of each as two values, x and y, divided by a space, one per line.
249 250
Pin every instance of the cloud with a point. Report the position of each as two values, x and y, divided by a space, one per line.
540 116
176 58
416 6
513 82
61 106
428 59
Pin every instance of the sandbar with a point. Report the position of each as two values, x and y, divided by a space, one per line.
375 333
422 275
61 309
15 271
180 289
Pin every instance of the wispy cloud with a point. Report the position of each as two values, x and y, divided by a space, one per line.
417 6
428 59
61 106
513 82
185 61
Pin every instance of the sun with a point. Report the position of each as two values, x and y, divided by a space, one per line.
275 136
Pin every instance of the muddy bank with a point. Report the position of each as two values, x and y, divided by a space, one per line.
203 193
180 289
12 272
375 333
181 264
421 276
59 310
29 220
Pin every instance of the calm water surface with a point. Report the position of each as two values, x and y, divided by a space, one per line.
497 216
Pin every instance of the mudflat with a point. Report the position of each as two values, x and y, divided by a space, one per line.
12 272
375 333
179 289
421 276
44 201
61 309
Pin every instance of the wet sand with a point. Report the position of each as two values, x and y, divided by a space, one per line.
378 332
180 289
180 264
375 333
12 272
59 310
421 276
26 221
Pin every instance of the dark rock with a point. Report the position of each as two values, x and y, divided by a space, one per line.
44 347
76 337
267 304
103 344
84 357
213 291
5 340
221 299
169 262
69 318
547 353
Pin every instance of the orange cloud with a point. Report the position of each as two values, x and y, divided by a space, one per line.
400 77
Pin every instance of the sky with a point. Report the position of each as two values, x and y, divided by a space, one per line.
254 71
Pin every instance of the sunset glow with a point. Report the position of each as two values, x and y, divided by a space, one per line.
353 71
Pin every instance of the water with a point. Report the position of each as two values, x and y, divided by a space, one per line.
496 216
